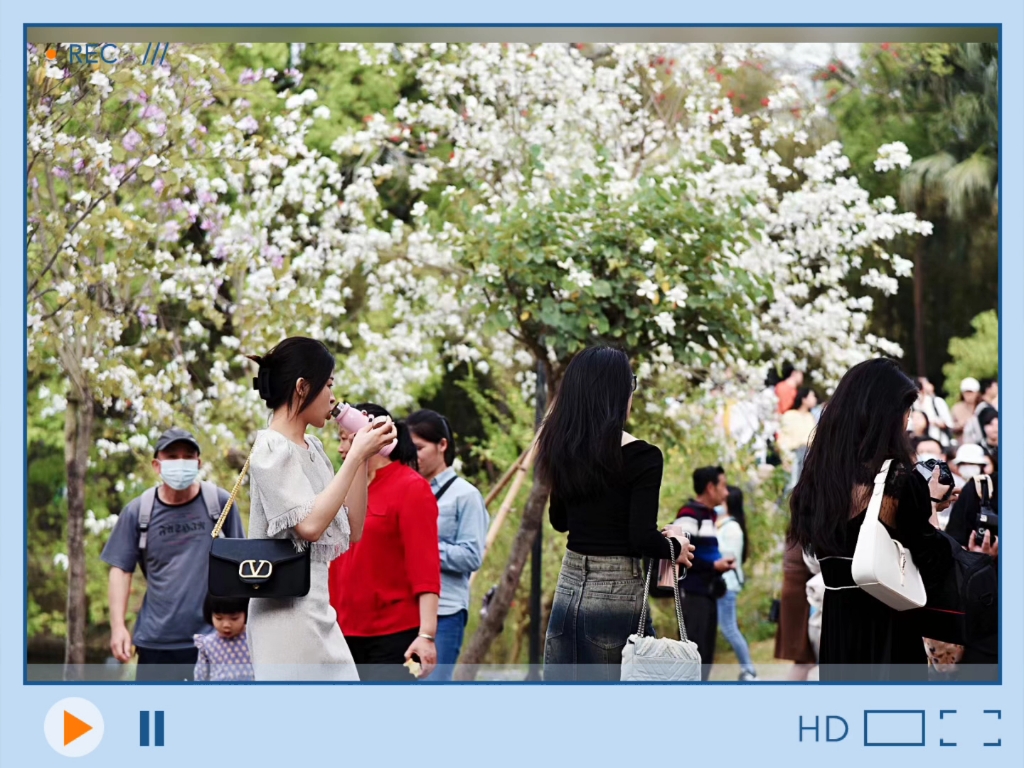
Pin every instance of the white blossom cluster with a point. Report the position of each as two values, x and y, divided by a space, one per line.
502 106
297 242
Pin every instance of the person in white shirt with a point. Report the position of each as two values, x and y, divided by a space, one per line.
731 531
940 421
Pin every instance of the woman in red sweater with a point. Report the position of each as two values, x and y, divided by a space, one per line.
385 587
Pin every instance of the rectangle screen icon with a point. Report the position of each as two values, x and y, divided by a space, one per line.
893 727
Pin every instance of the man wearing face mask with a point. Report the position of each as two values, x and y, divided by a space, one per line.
166 532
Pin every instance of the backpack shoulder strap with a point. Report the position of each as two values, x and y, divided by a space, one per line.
211 499
145 514
983 484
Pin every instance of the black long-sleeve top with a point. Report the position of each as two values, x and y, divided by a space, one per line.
622 520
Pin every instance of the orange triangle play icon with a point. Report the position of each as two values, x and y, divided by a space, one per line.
74 728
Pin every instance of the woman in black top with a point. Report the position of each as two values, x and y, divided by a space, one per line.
862 638
605 487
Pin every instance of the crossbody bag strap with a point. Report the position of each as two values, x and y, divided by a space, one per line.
443 488
234 495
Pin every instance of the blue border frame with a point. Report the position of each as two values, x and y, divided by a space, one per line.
533 25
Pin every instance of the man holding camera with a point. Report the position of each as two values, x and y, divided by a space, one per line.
167 533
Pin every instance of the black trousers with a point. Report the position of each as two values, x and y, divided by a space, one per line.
381 658
166 666
700 612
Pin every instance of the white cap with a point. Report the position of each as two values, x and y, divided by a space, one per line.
970 453
970 384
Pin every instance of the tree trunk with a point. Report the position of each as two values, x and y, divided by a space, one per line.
919 337
77 439
490 627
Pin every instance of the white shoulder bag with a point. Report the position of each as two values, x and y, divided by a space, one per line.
661 659
882 567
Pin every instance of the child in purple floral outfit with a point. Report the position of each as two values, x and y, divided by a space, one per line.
224 654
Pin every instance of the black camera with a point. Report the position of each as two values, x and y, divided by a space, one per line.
987 521
945 476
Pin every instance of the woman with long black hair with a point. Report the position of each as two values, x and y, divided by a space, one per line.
385 588
866 424
605 487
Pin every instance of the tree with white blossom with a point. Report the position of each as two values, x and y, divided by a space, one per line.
170 230
616 197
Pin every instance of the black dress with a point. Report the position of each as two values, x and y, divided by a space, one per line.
863 639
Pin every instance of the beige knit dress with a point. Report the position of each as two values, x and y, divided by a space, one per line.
296 638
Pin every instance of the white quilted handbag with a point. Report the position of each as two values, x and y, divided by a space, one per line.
882 567
661 659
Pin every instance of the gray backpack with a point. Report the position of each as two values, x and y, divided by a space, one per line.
210 498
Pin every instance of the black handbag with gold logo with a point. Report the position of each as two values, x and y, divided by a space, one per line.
256 567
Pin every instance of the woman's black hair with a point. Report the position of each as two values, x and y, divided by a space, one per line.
294 358
864 424
927 422
433 427
801 395
986 416
224 605
734 504
580 444
405 449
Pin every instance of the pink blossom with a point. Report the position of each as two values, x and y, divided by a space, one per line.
171 231
154 112
248 124
145 317
158 185
131 140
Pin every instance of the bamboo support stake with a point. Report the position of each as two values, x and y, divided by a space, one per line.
493 494
522 470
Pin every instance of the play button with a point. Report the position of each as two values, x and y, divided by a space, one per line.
73 727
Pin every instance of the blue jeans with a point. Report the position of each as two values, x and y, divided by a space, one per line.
731 631
597 606
449 644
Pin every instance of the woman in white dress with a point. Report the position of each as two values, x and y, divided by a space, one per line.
295 494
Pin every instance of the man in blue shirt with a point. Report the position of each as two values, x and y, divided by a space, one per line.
462 532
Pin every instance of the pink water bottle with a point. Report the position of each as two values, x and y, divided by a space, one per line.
353 420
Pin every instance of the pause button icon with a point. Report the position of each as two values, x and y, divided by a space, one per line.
158 728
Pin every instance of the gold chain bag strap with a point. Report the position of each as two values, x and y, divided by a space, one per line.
243 568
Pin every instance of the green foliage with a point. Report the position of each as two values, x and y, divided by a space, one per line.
977 355
570 273
941 100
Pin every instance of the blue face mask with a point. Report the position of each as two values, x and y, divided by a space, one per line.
179 474
720 509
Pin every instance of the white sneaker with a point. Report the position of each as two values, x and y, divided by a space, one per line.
748 677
